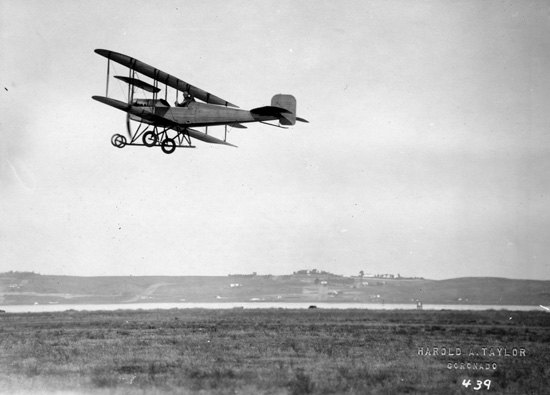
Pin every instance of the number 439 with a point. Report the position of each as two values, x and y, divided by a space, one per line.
479 384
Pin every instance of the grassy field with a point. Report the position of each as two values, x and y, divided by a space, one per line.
29 288
275 351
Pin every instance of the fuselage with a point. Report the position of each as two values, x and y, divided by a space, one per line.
195 114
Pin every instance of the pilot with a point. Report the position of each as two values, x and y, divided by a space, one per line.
187 98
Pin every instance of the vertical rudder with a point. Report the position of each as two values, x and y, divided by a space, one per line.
288 102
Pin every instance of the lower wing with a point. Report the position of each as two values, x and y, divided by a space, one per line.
158 120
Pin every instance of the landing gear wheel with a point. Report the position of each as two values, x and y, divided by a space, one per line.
168 146
150 138
118 141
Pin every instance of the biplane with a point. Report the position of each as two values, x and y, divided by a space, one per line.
160 124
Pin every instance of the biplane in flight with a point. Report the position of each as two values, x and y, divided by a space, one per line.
173 126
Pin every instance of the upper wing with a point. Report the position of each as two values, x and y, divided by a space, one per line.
163 77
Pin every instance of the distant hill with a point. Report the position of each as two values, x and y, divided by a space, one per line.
30 288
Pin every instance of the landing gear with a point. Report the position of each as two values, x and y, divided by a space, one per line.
118 141
150 138
168 146
167 138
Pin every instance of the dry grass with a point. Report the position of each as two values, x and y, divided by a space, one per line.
271 351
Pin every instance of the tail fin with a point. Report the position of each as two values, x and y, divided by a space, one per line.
288 102
283 108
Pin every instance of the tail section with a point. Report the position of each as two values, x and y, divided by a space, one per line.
288 102
283 108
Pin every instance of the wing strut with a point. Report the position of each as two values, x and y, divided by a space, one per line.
107 87
131 75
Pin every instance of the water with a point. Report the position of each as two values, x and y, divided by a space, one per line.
40 308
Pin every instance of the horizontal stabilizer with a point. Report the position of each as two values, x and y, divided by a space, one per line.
138 84
269 111
302 120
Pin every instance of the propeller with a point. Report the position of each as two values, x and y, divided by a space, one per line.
128 125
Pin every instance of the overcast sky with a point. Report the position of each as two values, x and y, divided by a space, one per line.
427 152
